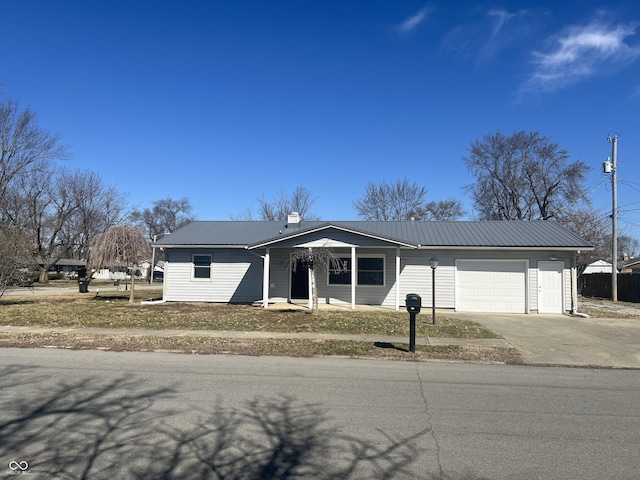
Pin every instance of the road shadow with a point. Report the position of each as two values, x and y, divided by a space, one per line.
93 428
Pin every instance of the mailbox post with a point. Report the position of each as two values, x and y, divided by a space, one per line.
413 302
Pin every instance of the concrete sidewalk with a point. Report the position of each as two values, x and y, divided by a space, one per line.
433 341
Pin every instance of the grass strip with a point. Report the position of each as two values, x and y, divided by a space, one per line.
260 347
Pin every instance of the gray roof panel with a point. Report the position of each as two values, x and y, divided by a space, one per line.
532 234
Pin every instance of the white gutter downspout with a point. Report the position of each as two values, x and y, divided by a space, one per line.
354 273
397 278
310 277
265 278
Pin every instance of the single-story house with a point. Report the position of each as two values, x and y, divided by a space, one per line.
483 266
630 265
599 266
66 266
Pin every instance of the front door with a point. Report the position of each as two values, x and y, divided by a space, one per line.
300 281
550 287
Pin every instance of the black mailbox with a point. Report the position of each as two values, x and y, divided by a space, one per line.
413 302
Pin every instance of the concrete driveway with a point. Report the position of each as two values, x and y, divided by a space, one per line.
565 340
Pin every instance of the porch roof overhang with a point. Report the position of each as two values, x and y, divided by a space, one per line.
274 241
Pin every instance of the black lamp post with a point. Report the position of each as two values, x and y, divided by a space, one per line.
434 264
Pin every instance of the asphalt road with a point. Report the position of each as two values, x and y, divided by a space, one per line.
92 414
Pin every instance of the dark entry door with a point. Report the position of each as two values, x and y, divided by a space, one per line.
300 281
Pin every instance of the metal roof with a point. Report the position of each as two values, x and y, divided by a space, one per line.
480 234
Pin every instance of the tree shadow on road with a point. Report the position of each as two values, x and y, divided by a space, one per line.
92 428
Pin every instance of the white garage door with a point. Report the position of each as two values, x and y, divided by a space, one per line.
490 286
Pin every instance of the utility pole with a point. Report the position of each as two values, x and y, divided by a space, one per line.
614 215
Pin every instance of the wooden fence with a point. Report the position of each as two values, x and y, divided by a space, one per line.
599 285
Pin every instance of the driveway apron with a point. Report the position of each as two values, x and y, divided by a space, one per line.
566 340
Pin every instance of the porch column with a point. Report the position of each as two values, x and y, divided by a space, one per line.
165 271
265 279
574 284
397 278
310 281
354 273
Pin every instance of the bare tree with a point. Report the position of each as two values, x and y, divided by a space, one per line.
24 146
16 259
300 200
594 228
628 245
42 206
166 216
98 207
121 245
399 200
524 176
449 209
316 259
59 212
56 211
279 207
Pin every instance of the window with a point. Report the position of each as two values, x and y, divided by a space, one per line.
202 266
341 276
370 272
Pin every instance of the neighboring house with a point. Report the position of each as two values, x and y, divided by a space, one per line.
599 266
484 266
69 267
631 265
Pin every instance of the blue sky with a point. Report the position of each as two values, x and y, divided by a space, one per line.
223 102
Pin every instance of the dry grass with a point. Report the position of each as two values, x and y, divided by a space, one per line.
259 347
112 310
605 308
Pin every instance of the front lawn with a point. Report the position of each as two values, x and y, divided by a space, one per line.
112 310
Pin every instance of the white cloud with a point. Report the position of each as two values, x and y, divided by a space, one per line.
501 17
580 53
411 23
483 38
497 39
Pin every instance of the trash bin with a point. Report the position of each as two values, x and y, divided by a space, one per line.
83 285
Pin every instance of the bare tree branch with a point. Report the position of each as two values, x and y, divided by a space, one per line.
279 207
166 216
524 176
120 245
399 200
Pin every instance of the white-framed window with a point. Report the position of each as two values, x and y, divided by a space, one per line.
341 276
201 266
370 271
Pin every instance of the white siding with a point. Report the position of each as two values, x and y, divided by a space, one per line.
416 275
236 276
279 274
